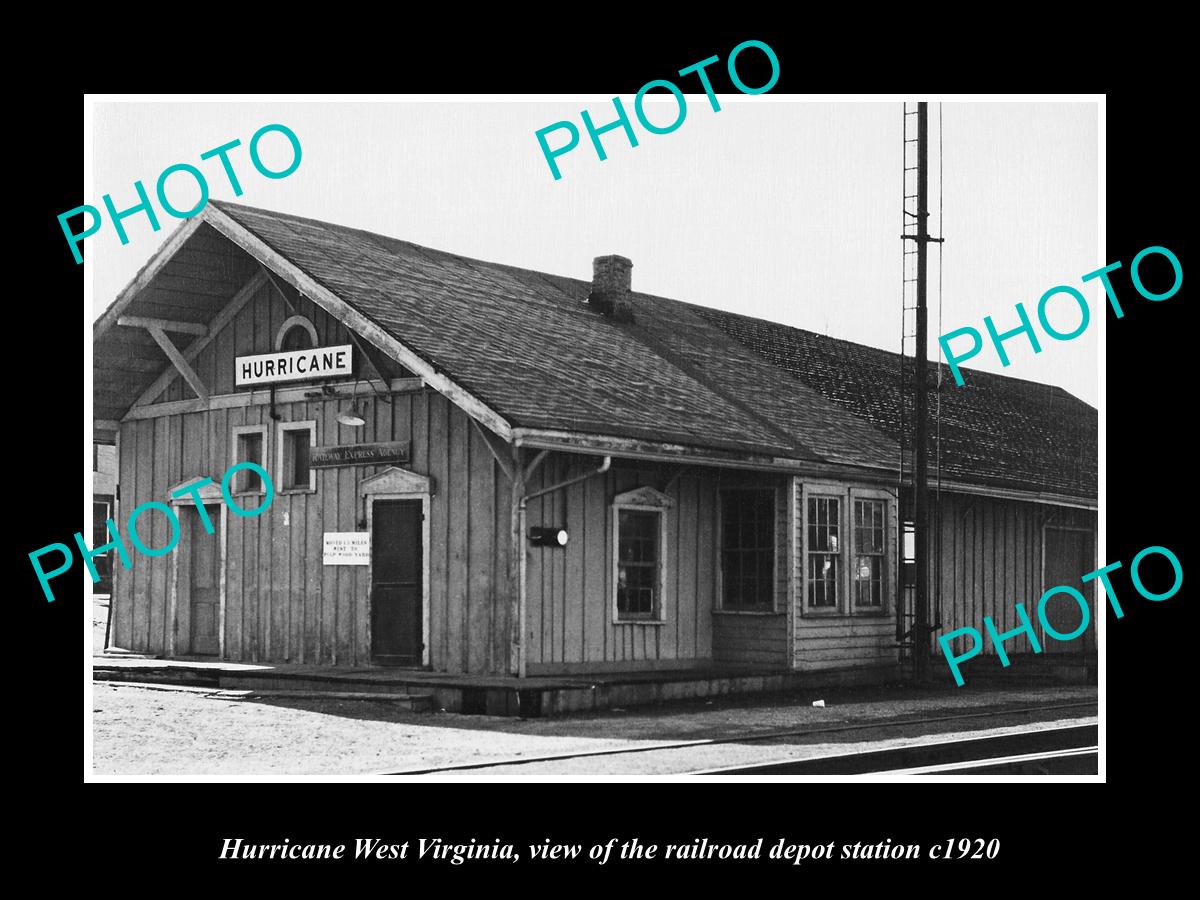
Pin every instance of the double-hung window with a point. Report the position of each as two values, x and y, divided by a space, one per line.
639 548
824 547
848 549
870 552
637 564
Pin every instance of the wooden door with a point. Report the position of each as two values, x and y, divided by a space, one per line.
201 578
1069 557
396 583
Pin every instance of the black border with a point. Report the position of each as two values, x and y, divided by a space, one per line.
122 827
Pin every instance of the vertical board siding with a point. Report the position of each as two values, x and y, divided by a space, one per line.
283 605
593 553
481 549
457 498
690 575
123 579
326 509
992 559
569 589
575 625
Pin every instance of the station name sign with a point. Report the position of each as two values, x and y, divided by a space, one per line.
294 365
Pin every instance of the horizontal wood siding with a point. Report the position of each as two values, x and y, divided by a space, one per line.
839 642
823 641
750 639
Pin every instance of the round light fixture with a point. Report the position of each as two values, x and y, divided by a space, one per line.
541 536
351 417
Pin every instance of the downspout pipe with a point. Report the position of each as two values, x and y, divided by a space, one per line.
521 552
604 467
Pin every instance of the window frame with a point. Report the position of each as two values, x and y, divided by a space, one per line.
773 608
824 492
846 495
888 588
103 561
263 431
885 557
650 501
296 321
281 442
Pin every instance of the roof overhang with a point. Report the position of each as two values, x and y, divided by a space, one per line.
628 448
279 265
653 451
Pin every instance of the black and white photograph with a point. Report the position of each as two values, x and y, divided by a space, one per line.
724 433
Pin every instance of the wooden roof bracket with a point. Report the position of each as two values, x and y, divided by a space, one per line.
223 318
158 330
501 449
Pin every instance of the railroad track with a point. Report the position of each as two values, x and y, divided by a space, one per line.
1011 753
766 737
1083 761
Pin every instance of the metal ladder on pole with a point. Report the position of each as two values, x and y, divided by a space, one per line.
907 372
914 241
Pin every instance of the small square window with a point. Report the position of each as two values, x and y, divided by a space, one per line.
296 468
249 448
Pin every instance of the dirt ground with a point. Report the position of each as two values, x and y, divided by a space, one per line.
148 730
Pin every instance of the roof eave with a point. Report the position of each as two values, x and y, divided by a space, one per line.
660 451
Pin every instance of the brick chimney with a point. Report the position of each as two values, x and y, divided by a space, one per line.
611 287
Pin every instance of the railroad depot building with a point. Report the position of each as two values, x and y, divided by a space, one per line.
492 471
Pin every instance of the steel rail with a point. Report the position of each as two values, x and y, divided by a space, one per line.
739 739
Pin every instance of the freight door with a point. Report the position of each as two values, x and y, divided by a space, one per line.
1069 556
396 583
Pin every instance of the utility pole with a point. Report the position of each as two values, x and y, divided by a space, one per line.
920 626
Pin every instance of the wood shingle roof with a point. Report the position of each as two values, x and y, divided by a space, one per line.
528 345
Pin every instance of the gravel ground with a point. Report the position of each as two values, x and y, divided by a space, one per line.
148 730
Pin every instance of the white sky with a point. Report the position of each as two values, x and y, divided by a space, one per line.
773 208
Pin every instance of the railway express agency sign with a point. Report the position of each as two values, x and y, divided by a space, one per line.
293 365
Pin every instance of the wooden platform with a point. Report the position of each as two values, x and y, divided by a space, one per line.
492 695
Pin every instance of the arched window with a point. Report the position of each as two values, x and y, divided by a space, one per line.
296 333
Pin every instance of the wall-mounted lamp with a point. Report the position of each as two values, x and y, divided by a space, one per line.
352 417
548 537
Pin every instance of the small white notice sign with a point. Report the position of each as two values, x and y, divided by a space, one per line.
347 548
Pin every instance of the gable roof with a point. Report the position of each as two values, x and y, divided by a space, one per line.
528 350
